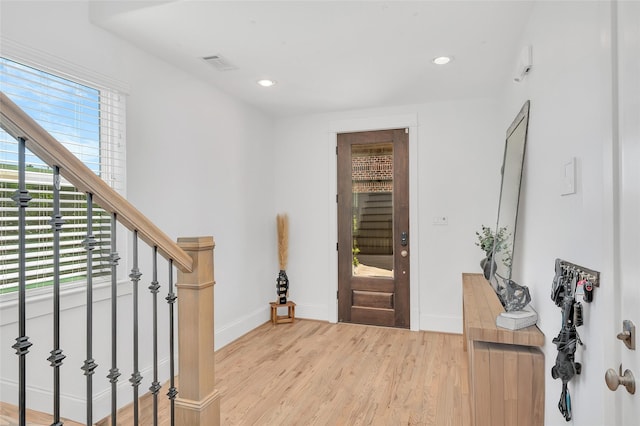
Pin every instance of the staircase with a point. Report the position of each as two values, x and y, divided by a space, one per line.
374 233
197 402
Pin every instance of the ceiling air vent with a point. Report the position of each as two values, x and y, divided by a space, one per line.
220 63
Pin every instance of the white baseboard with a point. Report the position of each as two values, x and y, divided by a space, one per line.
73 407
41 399
227 333
440 323
314 312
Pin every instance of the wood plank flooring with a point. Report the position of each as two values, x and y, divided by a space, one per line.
9 417
316 373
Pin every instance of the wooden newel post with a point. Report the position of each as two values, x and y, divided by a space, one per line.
198 403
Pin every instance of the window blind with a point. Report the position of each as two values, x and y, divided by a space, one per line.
89 121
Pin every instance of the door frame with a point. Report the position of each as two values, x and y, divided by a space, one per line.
365 124
615 210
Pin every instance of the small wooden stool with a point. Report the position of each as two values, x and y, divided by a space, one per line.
281 319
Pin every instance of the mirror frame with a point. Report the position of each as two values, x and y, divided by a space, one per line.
513 169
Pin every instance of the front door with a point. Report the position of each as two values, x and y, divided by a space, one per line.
373 227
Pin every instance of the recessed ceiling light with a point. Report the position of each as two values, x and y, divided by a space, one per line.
442 60
266 83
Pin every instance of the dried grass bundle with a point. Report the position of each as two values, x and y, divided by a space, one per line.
283 240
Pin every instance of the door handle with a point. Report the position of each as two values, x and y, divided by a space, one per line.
615 379
403 239
628 334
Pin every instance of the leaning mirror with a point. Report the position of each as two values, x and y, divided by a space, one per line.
504 243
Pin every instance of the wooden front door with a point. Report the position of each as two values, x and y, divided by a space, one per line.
373 227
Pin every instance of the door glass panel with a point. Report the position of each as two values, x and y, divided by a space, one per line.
372 195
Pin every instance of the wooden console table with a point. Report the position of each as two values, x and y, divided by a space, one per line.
506 367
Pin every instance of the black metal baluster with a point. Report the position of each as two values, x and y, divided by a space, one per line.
171 300
89 364
114 373
56 357
155 287
136 378
22 345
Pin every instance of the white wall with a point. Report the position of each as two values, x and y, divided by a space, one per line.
229 176
199 163
570 91
205 167
459 154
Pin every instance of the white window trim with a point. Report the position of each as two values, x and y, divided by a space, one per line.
52 64
47 62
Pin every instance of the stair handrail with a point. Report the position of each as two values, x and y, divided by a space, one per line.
20 125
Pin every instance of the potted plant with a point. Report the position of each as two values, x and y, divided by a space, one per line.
487 240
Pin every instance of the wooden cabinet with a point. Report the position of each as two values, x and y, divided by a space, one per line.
506 367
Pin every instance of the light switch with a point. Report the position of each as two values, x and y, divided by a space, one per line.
440 220
569 177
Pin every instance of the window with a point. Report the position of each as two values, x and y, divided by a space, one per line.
89 122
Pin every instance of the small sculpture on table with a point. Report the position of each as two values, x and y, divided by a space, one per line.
282 284
514 297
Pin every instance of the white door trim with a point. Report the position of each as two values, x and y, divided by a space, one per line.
409 121
623 183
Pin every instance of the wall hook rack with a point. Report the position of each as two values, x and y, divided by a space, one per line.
584 273
570 281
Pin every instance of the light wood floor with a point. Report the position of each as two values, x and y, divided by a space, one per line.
9 417
316 373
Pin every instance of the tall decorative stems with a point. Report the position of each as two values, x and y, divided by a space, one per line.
282 282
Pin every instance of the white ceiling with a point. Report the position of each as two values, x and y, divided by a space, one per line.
330 55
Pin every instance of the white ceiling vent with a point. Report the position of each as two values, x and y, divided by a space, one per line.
220 63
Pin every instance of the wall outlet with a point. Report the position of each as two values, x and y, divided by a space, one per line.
440 220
